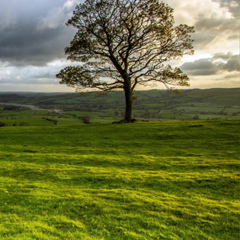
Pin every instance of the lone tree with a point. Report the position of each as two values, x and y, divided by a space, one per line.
124 43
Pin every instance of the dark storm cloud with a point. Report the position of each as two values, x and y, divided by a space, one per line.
33 32
32 47
219 62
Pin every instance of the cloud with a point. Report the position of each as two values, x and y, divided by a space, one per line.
189 12
232 5
199 67
215 21
232 64
35 34
220 62
57 16
32 75
217 31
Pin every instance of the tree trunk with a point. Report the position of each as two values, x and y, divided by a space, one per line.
129 103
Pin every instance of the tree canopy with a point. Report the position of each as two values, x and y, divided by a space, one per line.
124 43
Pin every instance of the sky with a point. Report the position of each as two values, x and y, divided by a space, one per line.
33 36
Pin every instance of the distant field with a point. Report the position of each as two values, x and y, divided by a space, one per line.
153 105
141 181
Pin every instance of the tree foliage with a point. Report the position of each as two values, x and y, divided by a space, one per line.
124 43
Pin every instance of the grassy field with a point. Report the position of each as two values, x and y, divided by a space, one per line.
141 181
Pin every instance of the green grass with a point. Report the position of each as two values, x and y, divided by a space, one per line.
169 180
